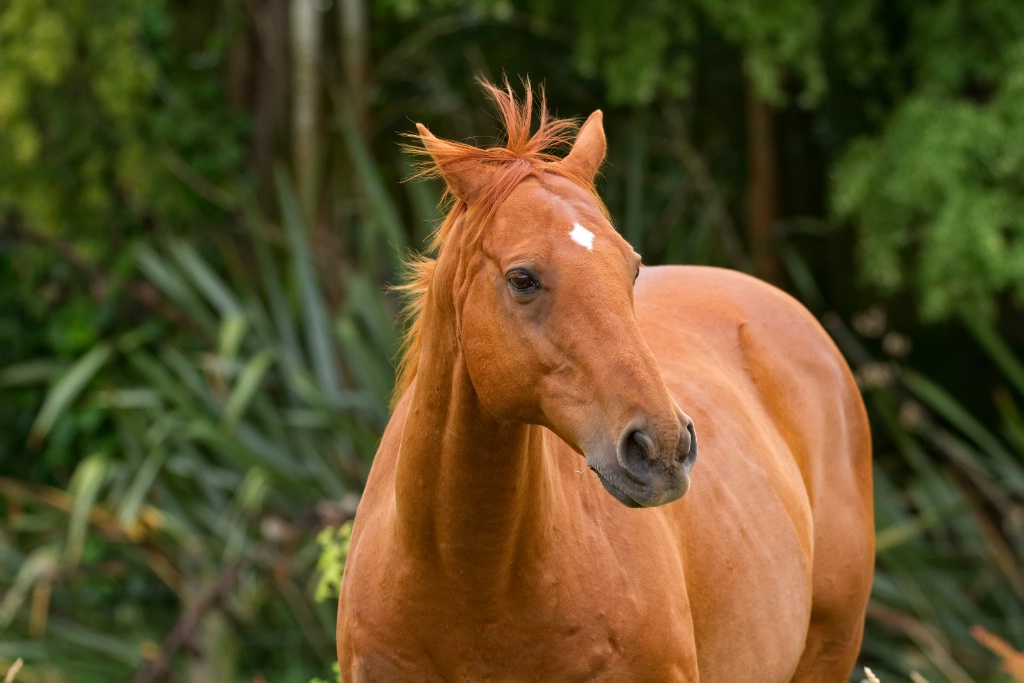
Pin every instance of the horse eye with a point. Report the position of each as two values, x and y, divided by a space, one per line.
522 281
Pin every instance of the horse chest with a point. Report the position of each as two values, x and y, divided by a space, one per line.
504 652
555 627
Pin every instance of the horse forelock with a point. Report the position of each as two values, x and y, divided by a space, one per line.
523 155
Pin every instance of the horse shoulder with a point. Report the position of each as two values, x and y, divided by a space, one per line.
771 343
365 607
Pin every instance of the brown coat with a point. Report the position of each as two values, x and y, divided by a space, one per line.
487 546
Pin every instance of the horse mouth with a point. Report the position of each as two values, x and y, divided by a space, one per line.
616 492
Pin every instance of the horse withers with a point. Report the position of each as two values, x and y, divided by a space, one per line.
530 515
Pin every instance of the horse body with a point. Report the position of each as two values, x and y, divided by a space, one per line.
486 550
779 526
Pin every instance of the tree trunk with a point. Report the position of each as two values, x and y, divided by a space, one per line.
305 30
355 30
258 83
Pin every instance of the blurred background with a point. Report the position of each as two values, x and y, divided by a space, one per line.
202 207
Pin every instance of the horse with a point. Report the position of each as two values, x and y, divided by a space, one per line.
524 518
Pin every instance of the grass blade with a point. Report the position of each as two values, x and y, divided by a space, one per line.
174 287
85 487
67 389
31 373
998 350
314 310
131 502
245 389
383 210
205 279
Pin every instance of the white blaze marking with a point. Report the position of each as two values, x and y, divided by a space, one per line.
582 236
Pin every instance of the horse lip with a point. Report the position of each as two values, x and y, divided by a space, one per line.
616 492
619 493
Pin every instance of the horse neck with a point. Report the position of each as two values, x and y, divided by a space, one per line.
472 491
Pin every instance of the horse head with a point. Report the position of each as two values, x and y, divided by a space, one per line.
542 294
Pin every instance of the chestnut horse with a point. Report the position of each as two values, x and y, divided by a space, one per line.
486 548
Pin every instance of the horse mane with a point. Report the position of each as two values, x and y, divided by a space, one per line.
522 155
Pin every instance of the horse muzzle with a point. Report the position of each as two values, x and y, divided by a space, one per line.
639 473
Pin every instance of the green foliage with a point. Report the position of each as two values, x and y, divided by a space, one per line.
97 120
963 49
644 55
219 436
641 56
939 201
189 387
944 563
776 38
80 135
409 9
110 132
637 54
334 544
938 195
336 679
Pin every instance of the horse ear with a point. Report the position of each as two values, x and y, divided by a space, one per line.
464 177
588 151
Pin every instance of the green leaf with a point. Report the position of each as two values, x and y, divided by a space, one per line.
385 215
121 647
39 564
31 373
998 350
174 286
206 279
245 389
233 328
945 405
142 482
314 310
85 487
70 385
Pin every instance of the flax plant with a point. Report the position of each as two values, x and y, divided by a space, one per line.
243 420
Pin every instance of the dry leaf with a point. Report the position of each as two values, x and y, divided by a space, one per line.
13 671
1013 661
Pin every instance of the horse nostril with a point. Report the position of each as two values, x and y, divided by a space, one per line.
635 451
688 449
